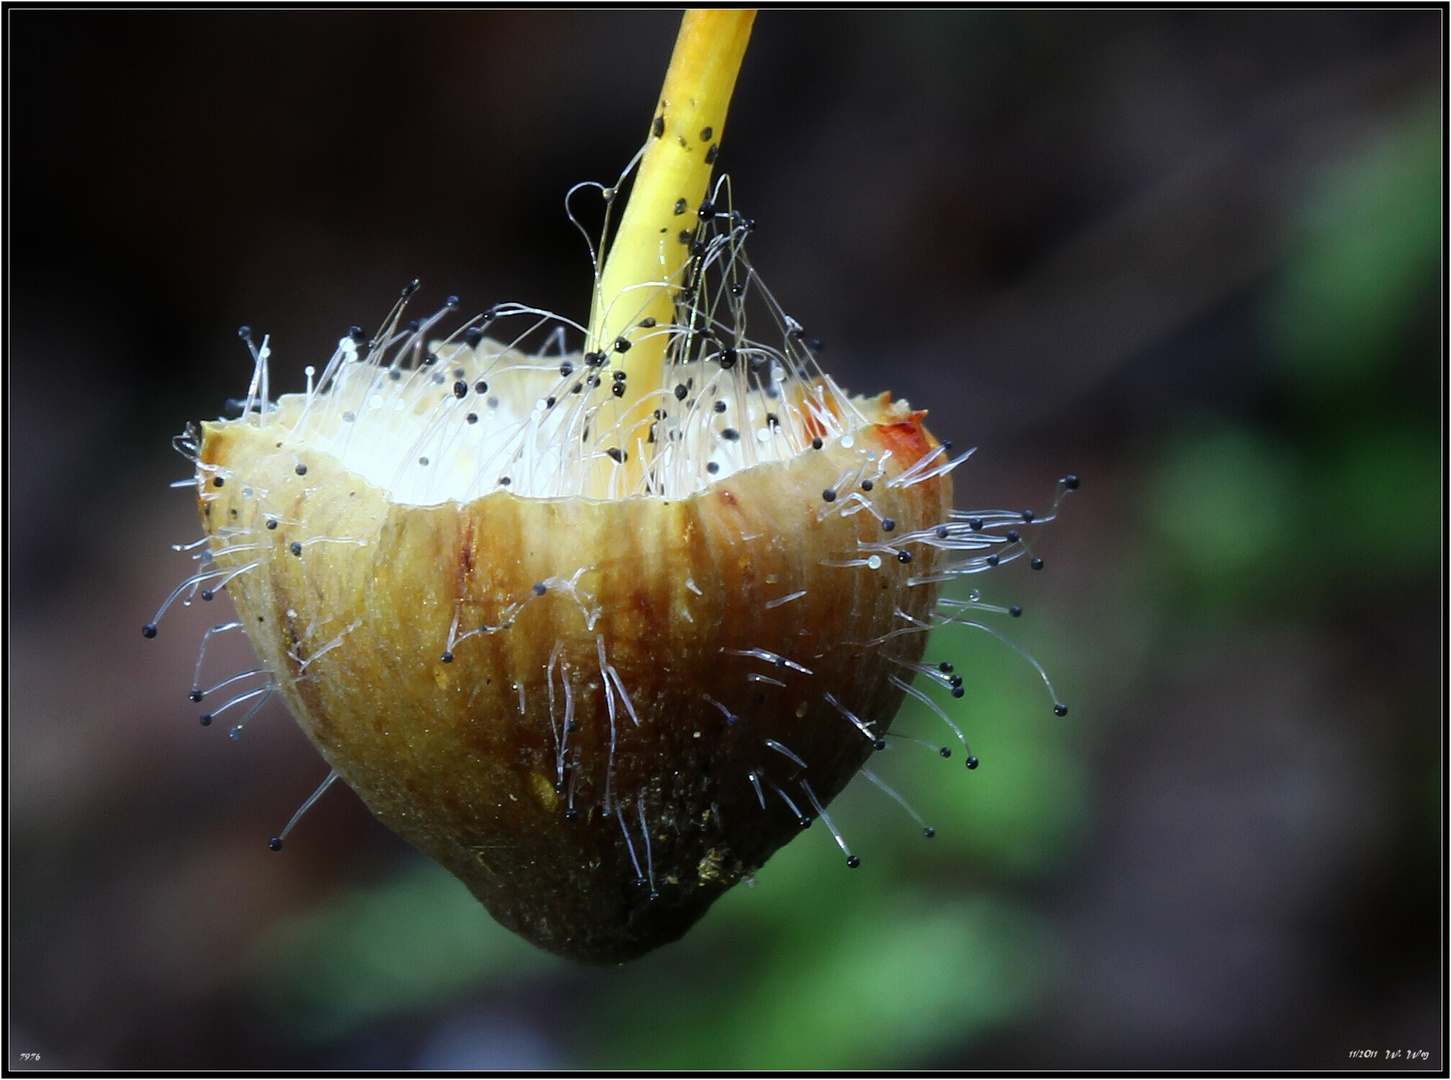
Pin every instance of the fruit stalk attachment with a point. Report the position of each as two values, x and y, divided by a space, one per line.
646 265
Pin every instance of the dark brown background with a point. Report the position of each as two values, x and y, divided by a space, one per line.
1066 233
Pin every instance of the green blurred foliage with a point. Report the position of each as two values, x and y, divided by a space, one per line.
877 978
1365 264
1021 812
1378 503
1347 325
415 942
1225 500
1342 497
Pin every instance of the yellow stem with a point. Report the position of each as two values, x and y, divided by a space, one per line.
643 273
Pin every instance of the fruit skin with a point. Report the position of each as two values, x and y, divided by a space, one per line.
351 607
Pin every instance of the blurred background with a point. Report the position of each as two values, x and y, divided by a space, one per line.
1194 257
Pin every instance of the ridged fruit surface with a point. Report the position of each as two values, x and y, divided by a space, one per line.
598 713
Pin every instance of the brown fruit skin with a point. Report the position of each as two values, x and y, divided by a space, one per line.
462 758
